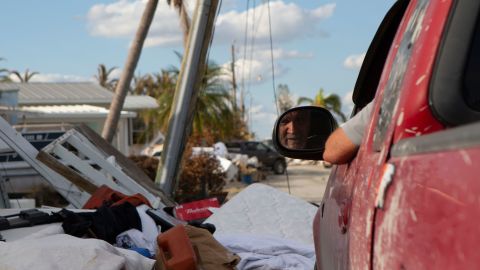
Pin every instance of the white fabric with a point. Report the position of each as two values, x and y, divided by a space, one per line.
55 228
134 238
62 251
230 169
268 253
220 149
262 210
149 229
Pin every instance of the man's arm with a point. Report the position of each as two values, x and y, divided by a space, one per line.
339 148
342 145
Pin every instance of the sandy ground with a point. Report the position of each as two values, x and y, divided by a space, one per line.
306 181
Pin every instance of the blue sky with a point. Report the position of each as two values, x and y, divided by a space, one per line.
316 43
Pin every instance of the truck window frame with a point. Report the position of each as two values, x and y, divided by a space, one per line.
447 88
392 90
376 56
451 83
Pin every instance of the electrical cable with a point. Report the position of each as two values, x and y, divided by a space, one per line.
252 45
244 55
273 79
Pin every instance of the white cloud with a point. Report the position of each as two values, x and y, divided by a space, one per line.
121 19
354 61
55 78
115 74
262 121
258 68
279 53
289 21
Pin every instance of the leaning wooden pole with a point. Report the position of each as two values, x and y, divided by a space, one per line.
186 93
121 90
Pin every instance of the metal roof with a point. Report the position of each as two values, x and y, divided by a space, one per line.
140 102
73 93
60 93
71 111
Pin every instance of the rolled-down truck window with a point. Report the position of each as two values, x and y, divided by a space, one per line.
454 91
400 63
471 87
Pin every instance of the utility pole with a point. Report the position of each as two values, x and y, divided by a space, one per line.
186 93
234 82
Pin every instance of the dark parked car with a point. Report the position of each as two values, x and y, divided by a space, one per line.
269 157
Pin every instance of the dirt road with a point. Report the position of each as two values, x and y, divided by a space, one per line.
306 181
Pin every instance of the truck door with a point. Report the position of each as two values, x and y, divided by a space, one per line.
427 203
336 224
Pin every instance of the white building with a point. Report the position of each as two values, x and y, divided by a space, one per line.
50 107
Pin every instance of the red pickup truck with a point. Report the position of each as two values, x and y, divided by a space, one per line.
410 199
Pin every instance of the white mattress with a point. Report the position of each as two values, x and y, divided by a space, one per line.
263 210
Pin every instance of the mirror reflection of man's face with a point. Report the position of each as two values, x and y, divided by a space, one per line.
294 129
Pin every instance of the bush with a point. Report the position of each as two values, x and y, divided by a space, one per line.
200 178
149 165
200 175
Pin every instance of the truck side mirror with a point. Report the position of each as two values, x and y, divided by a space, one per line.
301 132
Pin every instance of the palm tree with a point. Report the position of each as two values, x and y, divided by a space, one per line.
121 90
4 73
154 85
179 5
331 102
103 77
26 76
213 111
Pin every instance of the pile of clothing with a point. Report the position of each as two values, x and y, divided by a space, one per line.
119 234
260 228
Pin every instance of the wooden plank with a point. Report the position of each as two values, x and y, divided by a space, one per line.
66 172
128 185
25 149
87 171
128 166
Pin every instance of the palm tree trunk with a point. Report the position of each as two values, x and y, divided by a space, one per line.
113 117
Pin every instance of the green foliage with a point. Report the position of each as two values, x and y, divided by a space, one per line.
103 77
213 110
27 75
4 73
331 102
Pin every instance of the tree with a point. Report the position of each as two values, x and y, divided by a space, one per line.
179 5
331 102
213 111
285 100
121 90
103 77
154 85
26 76
4 73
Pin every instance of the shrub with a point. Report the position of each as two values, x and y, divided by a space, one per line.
200 175
200 178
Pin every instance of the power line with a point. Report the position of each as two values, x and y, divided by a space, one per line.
252 45
273 79
271 57
242 106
